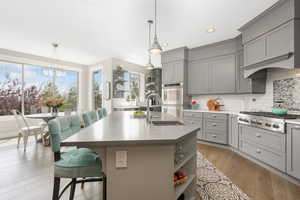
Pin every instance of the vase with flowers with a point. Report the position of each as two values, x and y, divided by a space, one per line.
195 105
54 103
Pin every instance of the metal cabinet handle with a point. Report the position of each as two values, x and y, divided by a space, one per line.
192 122
258 135
215 116
214 124
258 151
214 136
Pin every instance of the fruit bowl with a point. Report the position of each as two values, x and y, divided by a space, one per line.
180 178
139 114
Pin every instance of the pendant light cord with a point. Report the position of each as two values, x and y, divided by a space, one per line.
149 35
155 16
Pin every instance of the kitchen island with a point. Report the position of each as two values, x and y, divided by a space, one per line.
140 159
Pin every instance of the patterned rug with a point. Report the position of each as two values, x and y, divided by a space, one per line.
213 184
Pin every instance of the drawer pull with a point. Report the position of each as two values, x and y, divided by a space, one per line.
258 151
258 135
215 116
214 136
214 124
192 122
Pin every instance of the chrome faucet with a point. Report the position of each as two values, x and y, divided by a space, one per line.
158 98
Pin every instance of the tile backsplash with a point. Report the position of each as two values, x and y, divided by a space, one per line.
251 102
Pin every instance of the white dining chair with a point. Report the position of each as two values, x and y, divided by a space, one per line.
25 130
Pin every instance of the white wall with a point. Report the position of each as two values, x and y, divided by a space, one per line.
7 123
250 102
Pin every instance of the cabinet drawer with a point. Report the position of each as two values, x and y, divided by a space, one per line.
192 114
268 139
276 160
217 116
215 125
217 138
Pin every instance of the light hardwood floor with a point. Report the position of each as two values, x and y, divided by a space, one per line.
28 176
257 182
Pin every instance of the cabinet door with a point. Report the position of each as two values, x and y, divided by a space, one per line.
178 71
223 75
233 131
167 70
243 84
198 77
293 149
255 51
279 41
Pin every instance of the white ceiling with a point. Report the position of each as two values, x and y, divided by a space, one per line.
92 30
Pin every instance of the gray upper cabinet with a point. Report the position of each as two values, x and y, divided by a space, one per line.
255 51
174 65
293 149
223 75
198 77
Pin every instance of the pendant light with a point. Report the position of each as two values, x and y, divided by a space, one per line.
149 64
155 48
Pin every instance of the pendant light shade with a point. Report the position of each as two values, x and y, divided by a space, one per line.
155 47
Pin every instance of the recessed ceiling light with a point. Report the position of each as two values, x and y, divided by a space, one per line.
211 30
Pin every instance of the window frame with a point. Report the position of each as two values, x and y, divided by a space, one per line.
51 66
93 90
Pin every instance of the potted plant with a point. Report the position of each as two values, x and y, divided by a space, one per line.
54 103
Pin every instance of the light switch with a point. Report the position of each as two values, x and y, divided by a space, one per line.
121 159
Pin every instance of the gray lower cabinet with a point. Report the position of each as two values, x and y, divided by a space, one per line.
266 146
215 127
233 131
293 149
195 118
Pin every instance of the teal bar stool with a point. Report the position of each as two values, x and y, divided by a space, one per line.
89 118
100 113
104 111
80 165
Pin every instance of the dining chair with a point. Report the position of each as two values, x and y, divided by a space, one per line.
104 111
100 113
25 130
89 118
80 165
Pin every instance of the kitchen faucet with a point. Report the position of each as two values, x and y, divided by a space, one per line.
158 98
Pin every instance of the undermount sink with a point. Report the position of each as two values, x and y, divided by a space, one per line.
167 123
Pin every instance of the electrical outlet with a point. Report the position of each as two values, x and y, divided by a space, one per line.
121 159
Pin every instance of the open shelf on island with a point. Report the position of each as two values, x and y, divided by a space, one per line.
179 189
184 161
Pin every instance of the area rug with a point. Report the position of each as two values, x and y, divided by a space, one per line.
213 184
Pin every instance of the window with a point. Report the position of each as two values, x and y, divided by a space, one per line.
66 87
10 87
97 89
132 86
25 87
37 87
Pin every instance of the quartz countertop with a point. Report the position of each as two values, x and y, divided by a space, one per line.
210 111
120 127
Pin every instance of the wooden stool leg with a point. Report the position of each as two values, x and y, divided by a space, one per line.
104 188
56 188
73 187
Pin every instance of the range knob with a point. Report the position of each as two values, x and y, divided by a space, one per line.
268 125
275 126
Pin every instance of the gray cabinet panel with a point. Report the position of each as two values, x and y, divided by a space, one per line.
243 84
279 41
173 72
223 75
215 127
233 131
293 149
198 77
255 51
217 138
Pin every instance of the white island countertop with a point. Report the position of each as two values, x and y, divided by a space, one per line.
120 127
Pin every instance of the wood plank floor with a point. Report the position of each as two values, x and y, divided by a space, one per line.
257 182
28 176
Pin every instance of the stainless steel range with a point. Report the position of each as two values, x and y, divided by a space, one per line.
265 120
